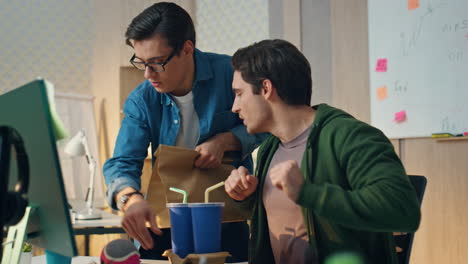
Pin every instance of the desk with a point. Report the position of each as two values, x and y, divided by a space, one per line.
92 260
95 260
109 224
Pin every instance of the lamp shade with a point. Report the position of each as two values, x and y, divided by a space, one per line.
75 146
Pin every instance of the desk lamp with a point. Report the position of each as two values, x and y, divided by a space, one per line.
78 146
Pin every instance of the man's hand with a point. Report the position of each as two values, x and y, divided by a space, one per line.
211 154
240 184
137 214
212 150
287 177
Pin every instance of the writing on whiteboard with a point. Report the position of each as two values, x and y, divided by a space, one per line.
455 27
409 42
400 86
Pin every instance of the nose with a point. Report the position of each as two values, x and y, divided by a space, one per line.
235 106
149 73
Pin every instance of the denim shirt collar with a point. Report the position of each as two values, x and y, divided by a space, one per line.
203 72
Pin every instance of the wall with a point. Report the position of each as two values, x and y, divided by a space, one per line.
443 234
225 26
48 38
316 46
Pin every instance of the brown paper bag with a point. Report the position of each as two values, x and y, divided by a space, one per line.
174 167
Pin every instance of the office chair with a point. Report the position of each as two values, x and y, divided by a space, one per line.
404 241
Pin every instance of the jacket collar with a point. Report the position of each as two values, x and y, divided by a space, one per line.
203 72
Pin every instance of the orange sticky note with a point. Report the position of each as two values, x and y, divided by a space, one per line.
382 93
400 116
413 4
381 65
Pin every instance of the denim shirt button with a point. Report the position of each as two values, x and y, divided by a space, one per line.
176 121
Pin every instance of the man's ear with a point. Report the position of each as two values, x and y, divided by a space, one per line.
188 48
267 89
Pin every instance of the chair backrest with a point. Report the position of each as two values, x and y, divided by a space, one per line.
404 241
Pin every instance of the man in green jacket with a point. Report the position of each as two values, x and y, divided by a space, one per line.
325 182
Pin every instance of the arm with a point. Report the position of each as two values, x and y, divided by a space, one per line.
381 198
122 173
125 167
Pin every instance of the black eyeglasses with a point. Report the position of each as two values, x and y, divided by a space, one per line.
154 66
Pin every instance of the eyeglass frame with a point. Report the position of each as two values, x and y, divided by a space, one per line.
152 64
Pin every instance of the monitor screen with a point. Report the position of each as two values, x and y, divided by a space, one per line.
26 109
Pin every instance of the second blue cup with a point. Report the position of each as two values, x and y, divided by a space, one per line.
181 229
206 221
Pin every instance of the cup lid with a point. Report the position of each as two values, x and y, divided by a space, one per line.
170 205
206 205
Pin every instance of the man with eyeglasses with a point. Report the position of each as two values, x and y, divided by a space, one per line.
186 102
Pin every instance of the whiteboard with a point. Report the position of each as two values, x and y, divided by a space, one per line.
77 112
424 87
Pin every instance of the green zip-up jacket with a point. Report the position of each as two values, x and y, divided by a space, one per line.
356 191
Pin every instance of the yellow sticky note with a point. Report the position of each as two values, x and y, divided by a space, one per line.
382 93
413 4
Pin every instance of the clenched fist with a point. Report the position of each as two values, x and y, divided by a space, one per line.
287 176
240 184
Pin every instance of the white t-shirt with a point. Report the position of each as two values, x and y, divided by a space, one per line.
188 131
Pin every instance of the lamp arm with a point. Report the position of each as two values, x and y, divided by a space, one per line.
92 170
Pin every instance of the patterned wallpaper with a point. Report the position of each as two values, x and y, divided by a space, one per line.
47 38
224 26
54 38
221 26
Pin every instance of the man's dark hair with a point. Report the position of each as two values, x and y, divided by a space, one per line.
280 62
165 19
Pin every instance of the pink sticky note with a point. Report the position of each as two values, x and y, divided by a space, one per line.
413 4
382 93
400 116
381 65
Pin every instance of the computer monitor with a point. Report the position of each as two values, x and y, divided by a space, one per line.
27 110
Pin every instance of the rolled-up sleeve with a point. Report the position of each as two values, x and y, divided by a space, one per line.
125 167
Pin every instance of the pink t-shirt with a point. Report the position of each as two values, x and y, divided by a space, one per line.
288 233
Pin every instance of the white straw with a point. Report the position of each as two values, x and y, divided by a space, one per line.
211 188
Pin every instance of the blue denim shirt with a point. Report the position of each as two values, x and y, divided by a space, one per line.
153 117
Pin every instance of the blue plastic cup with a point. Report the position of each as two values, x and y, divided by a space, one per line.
181 229
206 224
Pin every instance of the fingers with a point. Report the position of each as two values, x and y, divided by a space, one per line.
252 180
233 192
153 225
134 223
240 184
287 177
207 161
136 229
211 155
143 233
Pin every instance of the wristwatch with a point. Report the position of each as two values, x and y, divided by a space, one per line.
125 198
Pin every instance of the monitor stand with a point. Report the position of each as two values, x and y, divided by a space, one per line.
16 237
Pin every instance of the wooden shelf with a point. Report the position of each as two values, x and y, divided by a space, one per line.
452 138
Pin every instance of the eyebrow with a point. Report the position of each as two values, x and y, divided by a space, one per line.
236 89
153 58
